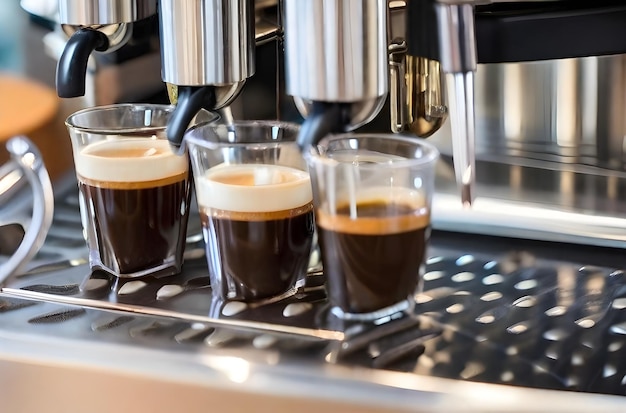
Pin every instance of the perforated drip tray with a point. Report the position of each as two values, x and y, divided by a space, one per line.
520 319
186 296
492 310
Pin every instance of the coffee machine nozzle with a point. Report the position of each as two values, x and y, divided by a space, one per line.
336 63
338 76
94 25
207 52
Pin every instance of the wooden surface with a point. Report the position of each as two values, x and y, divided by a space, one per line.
24 106
32 109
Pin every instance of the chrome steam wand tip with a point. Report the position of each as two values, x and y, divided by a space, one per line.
459 61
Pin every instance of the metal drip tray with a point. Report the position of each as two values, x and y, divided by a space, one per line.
492 310
518 320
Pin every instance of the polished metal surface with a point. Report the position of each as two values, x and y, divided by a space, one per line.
207 42
266 28
425 101
96 361
460 88
10 181
336 50
398 87
549 144
114 18
505 326
527 197
457 40
26 156
570 108
552 114
457 45
118 34
417 93
360 113
101 12
224 94
493 311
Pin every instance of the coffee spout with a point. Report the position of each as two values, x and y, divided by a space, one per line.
351 85
324 118
190 100
72 66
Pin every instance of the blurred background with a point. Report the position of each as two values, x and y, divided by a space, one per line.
28 103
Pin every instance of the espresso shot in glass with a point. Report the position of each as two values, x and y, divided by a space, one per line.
134 191
256 206
372 208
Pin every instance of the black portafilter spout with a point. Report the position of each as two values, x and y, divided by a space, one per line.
324 118
72 66
190 100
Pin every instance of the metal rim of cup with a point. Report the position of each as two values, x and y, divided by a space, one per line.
72 120
431 153
195 136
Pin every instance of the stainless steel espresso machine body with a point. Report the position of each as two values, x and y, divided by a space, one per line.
338 75
104 26
516 85
533 90
207 51
549 104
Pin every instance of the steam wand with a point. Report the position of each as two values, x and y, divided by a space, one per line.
458 60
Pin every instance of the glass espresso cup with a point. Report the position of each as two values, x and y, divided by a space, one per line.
372 208
134 191
255 202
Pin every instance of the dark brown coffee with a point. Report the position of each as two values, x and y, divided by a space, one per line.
135 195
258 255
135 226
258 228
372 262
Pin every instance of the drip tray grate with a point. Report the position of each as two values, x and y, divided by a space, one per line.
519 320
518 315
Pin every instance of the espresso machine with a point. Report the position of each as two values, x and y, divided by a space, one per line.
530 89
107 52
524 100
548 96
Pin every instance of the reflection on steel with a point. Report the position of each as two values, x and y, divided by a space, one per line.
492 314
98 12
208 42
566 107
520 319
536 196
